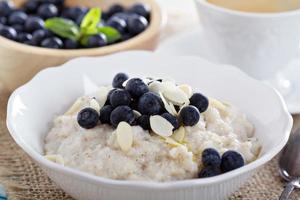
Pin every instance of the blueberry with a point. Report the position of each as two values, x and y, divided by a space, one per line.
47 11
119 80
88 118
105 112
79 19
189 115
121 113
136 87
231 160
30 42
31 6
39 35
136 24
211 157
199 101
98 40
17 17
116 8
209 171
104 16
120 97
122 15
55 2
70 44
144 122
52 42
172 119
22 37
74 12
3 20
150 104
117 23
126 36
134 104
34 23
8 32
141 9
5 8
18 27
108 96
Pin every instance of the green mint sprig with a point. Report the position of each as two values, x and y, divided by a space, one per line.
89 26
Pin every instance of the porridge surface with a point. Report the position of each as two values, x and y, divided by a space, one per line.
150 158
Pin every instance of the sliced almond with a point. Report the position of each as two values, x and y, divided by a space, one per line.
136 113
155 86
161 126
171 141
102 95
172 108
168 85
176 96
76 107
179 134
186 89
168 106
94 104
125 83
55 158
124 136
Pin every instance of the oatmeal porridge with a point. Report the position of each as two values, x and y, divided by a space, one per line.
153 130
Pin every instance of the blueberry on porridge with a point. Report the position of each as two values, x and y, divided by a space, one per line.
151 129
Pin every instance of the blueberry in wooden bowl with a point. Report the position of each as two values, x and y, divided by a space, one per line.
36 34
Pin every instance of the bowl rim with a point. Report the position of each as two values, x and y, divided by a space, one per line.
158 21
84 176
248 14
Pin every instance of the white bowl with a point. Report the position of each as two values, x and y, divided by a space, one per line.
31 109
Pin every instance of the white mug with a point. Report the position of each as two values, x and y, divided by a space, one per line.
261 44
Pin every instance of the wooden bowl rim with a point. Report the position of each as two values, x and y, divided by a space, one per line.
156 23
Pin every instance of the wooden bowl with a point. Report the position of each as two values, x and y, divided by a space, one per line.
19 62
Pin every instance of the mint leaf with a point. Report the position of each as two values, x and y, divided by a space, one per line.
90 21
63 27
111 33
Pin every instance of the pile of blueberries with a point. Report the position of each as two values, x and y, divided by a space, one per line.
215 165
121 103
26 24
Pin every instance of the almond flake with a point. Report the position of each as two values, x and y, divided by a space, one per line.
168 85
171 141
156 87
179 134
125 83
76 107
176 96
168 106
186 89
172 108
94 104
161 126
55 158
124 136
136 113
101 95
